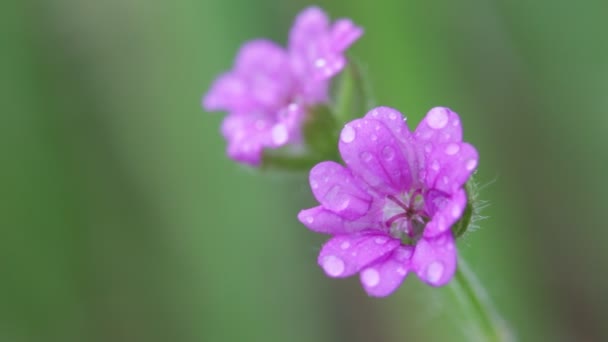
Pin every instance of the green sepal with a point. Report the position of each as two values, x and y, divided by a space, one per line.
461 226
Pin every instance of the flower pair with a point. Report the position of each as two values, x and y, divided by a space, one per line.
390 209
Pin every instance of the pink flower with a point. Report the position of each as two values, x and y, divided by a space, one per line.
391 208
269 89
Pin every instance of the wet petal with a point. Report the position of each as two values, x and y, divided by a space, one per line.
316 50
345 255
375 155
440 125
444 211
393 120
322 220
434 259
450 165
383 277
337 190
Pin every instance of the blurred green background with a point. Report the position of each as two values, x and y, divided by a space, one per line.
123 220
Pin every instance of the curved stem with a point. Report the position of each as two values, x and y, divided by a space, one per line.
485 323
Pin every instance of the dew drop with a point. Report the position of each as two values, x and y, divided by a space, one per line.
279 134
345 245
365 156
434 271
370 277
374 137
388 153
320 63
403 254
314 184
401 270
452 149
456 211
348 134
437 118
333 265
381 240
336 199
435 165
471 164
428 148
392 116
310 219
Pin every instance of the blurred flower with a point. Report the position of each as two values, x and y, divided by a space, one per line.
391 208
269 89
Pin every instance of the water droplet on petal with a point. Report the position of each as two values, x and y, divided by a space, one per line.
428 148
388 153
370 277
471 164
320 63
310 219
401 270
437 118
434 271
452 149
348 134
345 245
338 200
374 137
365 156
314 184
381 240
375 113
279 134
333 265
403 254
392 116
456 211
435 165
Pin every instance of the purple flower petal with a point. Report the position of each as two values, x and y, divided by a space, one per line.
316 49
393 120
337 190
344 33
445 211
434 259
382 277
375 156
345 255
246 137
440 125
325 221
260 81
450 165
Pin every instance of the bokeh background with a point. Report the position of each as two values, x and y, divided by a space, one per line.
123 220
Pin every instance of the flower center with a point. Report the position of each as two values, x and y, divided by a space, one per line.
405 217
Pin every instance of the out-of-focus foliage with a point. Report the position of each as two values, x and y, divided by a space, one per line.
123 220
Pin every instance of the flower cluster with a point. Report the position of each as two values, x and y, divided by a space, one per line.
269 90
391 208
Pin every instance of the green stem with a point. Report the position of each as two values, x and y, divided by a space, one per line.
485 323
